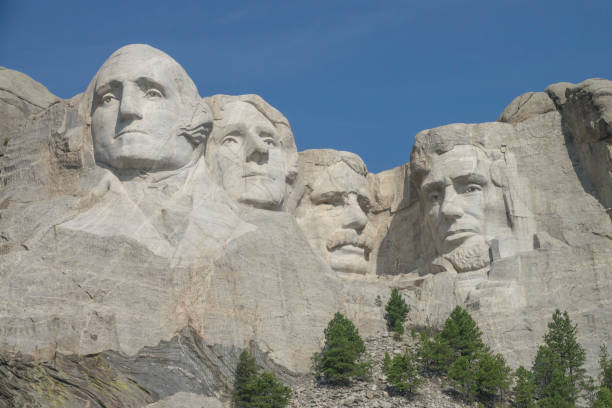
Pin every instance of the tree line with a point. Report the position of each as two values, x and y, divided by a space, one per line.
457 354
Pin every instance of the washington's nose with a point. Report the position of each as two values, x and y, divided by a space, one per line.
354 216
450 207
130 107
257 149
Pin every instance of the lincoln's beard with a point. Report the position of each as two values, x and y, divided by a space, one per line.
470 256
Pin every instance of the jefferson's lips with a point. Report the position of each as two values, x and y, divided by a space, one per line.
351 249
125 131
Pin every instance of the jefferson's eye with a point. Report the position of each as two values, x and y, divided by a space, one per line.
153 93
108 98
229 140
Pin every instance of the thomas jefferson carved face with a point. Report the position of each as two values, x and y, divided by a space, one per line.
138 108
246 156
333 215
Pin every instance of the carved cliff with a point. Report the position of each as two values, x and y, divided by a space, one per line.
144 228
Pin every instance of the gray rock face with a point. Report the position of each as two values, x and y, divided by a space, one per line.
148 236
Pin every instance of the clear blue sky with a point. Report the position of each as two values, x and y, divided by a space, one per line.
363 76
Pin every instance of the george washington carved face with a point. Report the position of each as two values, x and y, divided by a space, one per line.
141 98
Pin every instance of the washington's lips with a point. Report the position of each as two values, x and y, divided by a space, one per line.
126 131
355 242
459 234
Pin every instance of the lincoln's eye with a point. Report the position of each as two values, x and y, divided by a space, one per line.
472 188
153 93
434 196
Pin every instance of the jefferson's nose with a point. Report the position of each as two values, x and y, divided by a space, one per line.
257 149
451 208
354 217
130 107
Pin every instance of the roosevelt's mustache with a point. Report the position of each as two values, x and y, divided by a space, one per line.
348 237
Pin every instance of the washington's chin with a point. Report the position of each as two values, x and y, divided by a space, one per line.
349 259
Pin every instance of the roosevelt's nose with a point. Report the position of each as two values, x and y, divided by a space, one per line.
354 216
450 207
130 107
257 149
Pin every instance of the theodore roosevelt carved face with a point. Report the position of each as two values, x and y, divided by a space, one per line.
251 151
333 212
141 98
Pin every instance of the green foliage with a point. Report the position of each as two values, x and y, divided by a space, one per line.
493 375
397 310
435 354
402 372
463 375
462 334
458 352
6 140
338 362
524 389
603 398
258 390
605 365
557 369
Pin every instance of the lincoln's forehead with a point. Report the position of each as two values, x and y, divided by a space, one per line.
461 161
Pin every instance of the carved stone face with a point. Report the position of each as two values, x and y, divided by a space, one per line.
137 111
454 196
334 217
246 156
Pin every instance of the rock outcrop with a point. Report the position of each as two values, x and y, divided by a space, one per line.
148 235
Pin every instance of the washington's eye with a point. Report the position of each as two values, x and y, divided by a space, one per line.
108 98
268 139
153 93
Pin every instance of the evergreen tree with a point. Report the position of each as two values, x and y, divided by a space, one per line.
603 398
605 366
493 375
524 389
462 334
397 310
258 390
402 372
435 354
463 375
557 369
338 361
561 338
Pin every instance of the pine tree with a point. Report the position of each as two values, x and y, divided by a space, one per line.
603 398
435 354
562 340
557 369
462 334
397 310
402 372
463 375
605 366
338 361
258 390
524 389
493 375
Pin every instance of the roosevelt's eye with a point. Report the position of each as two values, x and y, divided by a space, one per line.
153 93
107 98
433 196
